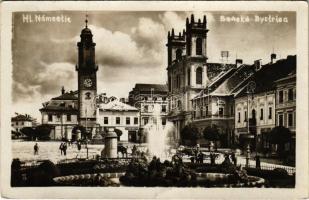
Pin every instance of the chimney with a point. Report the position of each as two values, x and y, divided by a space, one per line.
257 64
273 58
238 62
62 90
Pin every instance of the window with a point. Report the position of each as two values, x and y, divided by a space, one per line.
135 120
232 110
178 54
178 81
164 108
58 118
127 120
163 98
206 110
290 94
105 120
262 114
164 121
280 120
238 117
169 84
68 118
221 111
22 123
145 120
281 96
290 119
117 120
146 108
199 46
189 77
270 113
50 118
199 75
245 116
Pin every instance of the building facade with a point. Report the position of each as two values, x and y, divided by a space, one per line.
20 121
120 116
152 103
258 111
188 71
62 114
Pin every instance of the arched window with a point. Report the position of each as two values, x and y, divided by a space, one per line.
199 75
189 76
178 54
199 46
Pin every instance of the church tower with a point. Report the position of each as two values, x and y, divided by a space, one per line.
87 79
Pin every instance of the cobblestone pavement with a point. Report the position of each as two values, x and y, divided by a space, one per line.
50 150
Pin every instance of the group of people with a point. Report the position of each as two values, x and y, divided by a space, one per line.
63 148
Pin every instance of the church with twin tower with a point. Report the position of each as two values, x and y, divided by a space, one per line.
186 71
87 80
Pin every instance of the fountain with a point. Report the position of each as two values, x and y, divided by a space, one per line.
158 135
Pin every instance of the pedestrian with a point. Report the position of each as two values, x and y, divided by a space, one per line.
79 146
192 159
61 148
212 159
36 149
64 148
257 162
201 157
234 159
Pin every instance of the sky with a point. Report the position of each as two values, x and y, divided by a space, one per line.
130 48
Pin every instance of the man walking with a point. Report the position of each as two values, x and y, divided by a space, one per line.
61 148
36 149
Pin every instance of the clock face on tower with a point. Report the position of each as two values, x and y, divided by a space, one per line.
88 82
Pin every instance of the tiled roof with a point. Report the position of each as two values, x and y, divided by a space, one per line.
22 118
148 87
117 106
67 96
265 78
214 69
236 78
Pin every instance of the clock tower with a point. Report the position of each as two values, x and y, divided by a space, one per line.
87 79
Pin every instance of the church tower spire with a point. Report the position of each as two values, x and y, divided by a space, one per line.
87 79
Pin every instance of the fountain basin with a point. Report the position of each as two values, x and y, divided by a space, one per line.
97 179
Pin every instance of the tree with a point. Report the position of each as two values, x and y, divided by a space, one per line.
43 131
119 133
280 136
211 133
190 132
29 132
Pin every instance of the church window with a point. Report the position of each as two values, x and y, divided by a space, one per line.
189 76
178 54
169 83
199 47
199 75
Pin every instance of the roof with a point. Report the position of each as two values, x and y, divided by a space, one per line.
144 87
234 80
22 118
214 69
67 96
116 106
266 77
67 102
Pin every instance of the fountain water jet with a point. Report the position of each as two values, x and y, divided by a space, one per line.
158 136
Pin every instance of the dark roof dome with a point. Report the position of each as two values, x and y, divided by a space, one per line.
86 30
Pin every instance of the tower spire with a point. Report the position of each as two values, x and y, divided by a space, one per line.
86 20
